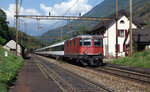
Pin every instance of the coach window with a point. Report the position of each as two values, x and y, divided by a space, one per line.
63 47
87 42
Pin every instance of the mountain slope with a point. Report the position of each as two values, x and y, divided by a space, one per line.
144 12
106 8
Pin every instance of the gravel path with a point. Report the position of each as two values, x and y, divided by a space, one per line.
31 79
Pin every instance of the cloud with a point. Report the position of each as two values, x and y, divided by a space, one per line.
11 11
60 9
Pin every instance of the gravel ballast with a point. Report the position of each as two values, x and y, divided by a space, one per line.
115 83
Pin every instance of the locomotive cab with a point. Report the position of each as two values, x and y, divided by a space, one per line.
91 49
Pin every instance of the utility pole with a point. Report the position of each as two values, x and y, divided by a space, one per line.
19 28
130 5
116 29
16 28
21 35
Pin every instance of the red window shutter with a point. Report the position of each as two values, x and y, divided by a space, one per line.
118 47
123 48
118 32
125 32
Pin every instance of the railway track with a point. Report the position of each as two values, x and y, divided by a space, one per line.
68 81
145 78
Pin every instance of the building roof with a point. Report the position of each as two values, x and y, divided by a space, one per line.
141 35
137 21
14 41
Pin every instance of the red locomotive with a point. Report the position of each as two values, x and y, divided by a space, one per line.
87 49
84 49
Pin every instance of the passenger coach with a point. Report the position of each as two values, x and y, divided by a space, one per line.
56 50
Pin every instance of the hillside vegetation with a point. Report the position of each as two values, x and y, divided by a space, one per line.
139 59
9 68
105 9
4 34
144 12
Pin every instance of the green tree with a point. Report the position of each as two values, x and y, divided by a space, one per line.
4 34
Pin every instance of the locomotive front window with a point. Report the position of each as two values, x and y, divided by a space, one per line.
86 42
97 42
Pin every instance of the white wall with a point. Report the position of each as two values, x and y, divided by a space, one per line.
12 45
110 37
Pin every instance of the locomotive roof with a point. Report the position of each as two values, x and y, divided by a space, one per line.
87 36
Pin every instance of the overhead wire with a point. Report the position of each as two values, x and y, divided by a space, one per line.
94 4
71 7
66 13
52 8
51 14
20 6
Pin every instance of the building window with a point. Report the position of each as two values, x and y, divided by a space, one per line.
121 22
122 32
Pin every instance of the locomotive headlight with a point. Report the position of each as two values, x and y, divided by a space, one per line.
100 53
85 52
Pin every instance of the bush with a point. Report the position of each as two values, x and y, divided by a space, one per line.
2 41
140 59
3 88
9 68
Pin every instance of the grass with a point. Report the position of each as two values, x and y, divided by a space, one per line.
139 59
9 68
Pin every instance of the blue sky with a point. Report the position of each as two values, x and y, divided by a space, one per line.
43 7
35 4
